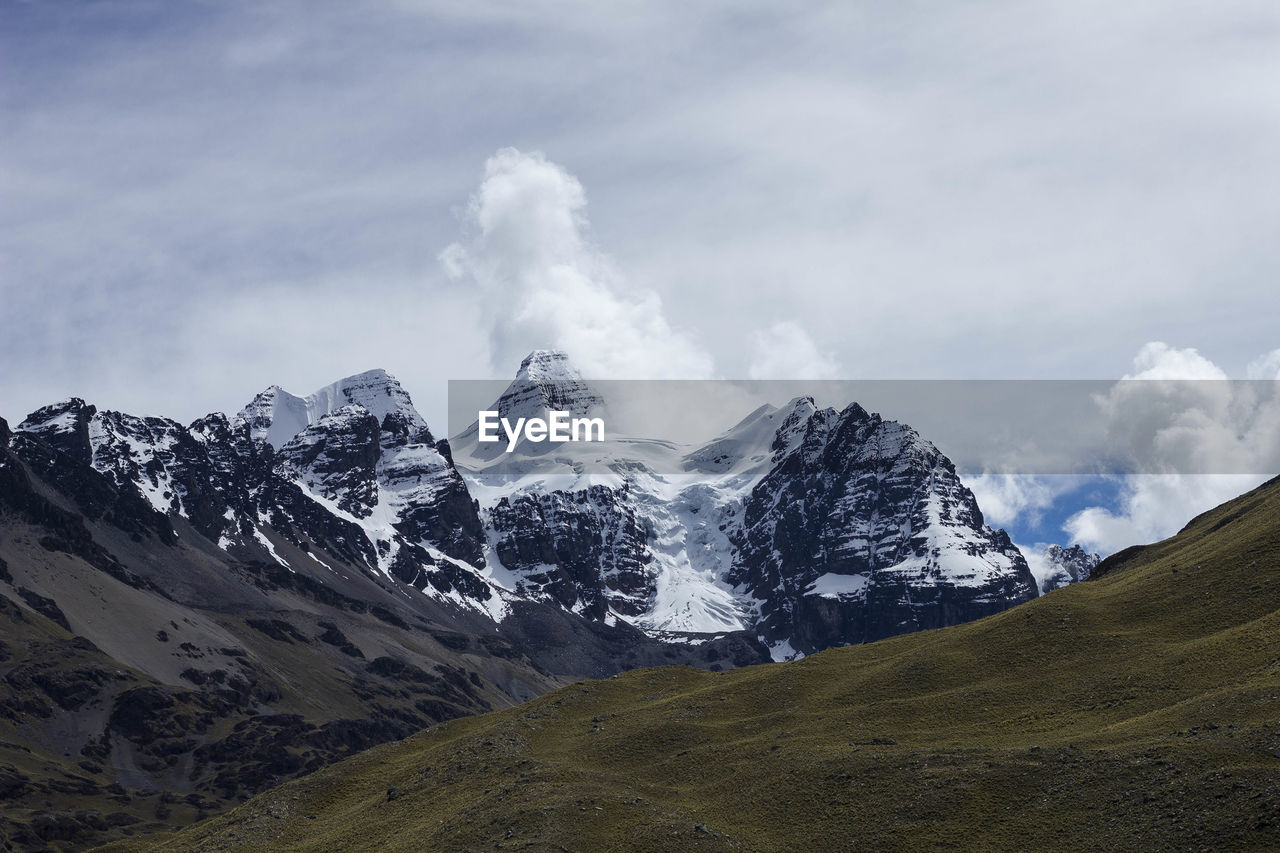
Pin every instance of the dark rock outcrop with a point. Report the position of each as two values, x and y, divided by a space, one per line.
586 550
863 531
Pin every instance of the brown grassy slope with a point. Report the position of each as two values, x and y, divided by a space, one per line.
1138 711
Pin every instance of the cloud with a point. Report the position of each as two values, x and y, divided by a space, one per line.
1038 561
1158 360
1152 507
529 253
1181 423
1177 413
785 351
1006 498
1265 367
1102 174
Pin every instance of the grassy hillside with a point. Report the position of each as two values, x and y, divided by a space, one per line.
1137 711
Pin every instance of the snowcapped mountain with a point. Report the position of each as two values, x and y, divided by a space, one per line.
1057 566
862 530
360 450
809 527
806 527
363 481
274 416
546 380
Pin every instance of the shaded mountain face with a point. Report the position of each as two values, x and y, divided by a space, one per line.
863 530
586 550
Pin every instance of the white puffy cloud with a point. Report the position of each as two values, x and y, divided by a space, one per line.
528 251
1152 507
785 351
1158 360
1265 367
1005 498
1200 443
1177 414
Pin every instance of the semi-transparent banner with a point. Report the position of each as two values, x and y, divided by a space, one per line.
1079 427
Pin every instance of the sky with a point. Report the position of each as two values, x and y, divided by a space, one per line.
198 200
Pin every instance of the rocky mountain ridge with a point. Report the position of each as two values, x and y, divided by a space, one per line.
809 527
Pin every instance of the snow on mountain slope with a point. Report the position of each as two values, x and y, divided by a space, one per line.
808 526
64 426
673 500
360 444
753 445
850 524
370 465
275 416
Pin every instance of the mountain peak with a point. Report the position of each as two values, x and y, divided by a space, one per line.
56 417
64 425
548 365
547 380
376 390
275 415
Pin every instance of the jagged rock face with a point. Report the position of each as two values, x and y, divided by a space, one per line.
364 466
1066 566
586 550
147 453
206 473
211 483
361 445
432 498
546 380
862 531
338 458
63 426
55 442
365 480
810 526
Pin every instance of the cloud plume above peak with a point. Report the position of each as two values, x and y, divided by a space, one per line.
786 351
527 250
